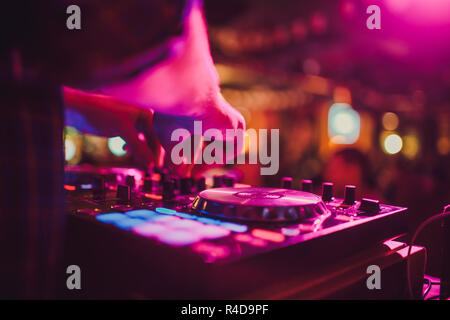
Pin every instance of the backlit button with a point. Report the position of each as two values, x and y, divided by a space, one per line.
234 226
211 251
185 224
290 232
165 219
185 215
111 217
165 210
244 238
268 235
306 227
212 232
256 242
178 238
150 229
129 223
142 214
208 221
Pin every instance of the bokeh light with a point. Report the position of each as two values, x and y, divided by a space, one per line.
116 145
443 145
421 11
390 121
393 143
411 146
69 148
343 124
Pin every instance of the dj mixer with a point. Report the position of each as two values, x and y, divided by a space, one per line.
160 236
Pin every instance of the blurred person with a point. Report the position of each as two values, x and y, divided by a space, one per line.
134 65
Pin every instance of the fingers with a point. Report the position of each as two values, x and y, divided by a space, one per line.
105 116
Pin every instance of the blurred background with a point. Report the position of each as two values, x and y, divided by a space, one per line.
353 105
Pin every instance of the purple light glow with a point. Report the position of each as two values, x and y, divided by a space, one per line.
419 11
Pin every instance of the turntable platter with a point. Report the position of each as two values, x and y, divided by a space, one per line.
259 204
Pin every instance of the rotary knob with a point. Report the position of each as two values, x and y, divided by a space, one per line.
307 185
228 181
349 195
201 184
168 190
327 191
217 181
148 185
369 206
123 193
286 183
185 185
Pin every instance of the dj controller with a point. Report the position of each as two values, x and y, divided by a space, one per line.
159 236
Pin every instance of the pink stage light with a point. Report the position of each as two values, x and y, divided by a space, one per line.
422 11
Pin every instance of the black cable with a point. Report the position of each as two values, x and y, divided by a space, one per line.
419 229
427 290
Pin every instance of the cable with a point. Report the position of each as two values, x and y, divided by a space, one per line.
427 290
419 229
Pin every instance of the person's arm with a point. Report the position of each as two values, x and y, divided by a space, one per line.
182 89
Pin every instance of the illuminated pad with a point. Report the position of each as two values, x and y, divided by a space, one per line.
268 235
111 217
186 215
178 238
212 232
234 227
186 224
150 229
165 219
142 214
128 223
209 220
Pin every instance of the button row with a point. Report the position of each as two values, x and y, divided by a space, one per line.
171 227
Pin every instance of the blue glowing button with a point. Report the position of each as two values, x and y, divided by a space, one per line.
178 238
208 221
186 215
234 227
212 232
111 217
165 210
129 223
150 229
142 214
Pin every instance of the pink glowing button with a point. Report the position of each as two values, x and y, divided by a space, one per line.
178 238
212 232
211 250
268 235
150 229
244 238
186 224
258 242
165 219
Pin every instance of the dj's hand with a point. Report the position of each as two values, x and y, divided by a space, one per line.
181 89
105 116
